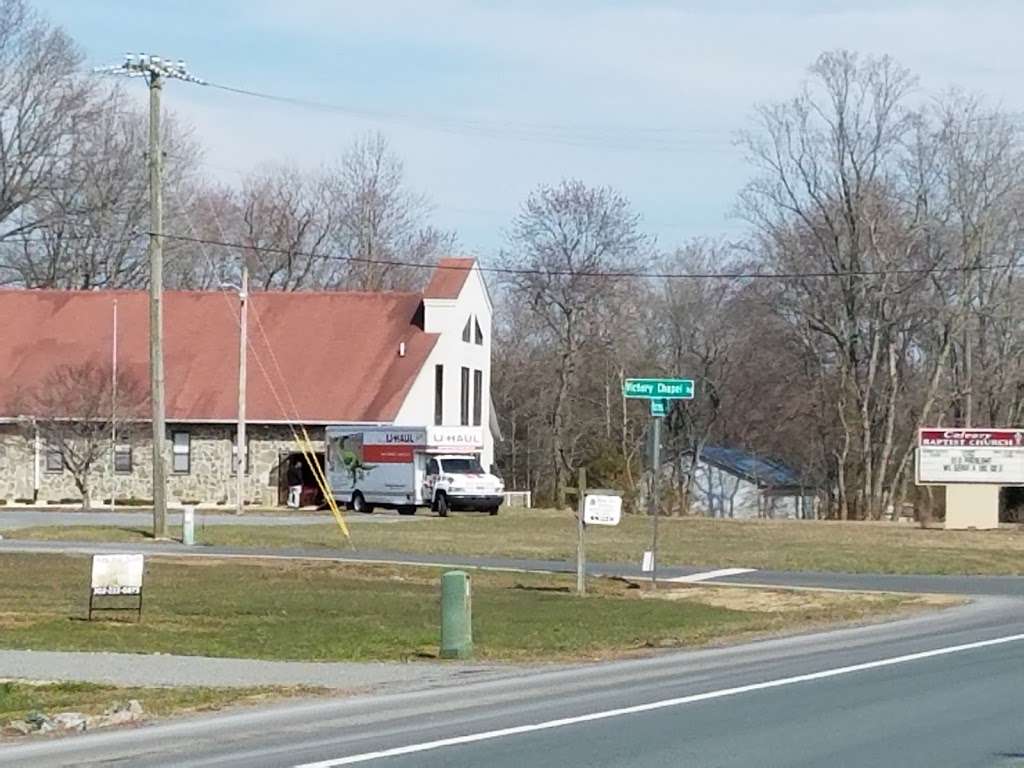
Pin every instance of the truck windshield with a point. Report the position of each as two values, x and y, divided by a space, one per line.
466 466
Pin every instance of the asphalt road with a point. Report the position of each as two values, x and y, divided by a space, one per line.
937 690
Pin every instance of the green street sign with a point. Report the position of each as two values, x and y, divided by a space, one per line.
658 389
658 408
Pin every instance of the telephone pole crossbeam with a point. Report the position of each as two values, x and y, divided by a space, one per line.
155 70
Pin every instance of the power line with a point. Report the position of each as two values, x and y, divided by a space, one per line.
611 275
54 236
705 139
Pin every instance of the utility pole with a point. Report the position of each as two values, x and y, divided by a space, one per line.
156 308
155 70
243 342
581 529
113 410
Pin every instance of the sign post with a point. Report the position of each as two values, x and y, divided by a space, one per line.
595 507
655 514
581 527
658 392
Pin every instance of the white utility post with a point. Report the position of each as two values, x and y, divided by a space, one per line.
243 342
113 409
155 70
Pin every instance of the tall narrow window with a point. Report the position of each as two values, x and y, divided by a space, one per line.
468 330
438 395
181 452
464 415
54 460
123 459
479 333
478 395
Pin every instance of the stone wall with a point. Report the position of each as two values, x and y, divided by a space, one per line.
210 479
17 456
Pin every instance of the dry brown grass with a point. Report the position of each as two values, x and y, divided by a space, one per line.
544 534
360 612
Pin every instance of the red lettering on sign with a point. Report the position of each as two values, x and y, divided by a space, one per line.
971 438
387 454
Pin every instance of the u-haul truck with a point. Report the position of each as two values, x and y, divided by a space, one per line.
405 468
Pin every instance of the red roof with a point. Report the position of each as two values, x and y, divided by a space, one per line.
338 352
448 279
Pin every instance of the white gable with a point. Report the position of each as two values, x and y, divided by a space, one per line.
448 318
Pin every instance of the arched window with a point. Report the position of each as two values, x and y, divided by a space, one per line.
479 333
468 330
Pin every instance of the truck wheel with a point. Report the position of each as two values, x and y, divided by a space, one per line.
492 511
442 505
407 510
359 504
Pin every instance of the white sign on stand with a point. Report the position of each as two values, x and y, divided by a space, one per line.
602 509
116 576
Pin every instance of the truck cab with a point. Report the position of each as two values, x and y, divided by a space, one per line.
459 482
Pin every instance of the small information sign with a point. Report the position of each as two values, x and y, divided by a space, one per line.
602 509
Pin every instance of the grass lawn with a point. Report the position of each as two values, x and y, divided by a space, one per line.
323 611
17 699
778 545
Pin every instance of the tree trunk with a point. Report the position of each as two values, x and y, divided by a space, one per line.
627 454
565 373
886 493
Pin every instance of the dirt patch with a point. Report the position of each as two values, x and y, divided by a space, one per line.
760 600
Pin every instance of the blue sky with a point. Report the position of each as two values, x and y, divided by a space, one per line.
643 96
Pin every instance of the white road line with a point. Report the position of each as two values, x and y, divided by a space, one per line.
707 575
655 705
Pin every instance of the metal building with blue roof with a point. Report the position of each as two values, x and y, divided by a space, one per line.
734 483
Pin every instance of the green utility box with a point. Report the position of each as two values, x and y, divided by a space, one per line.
456 616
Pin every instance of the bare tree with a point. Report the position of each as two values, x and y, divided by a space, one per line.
702 341
286 223
43 99
352 226
380 223
571 239
209 214
825 201
74 411
93 216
